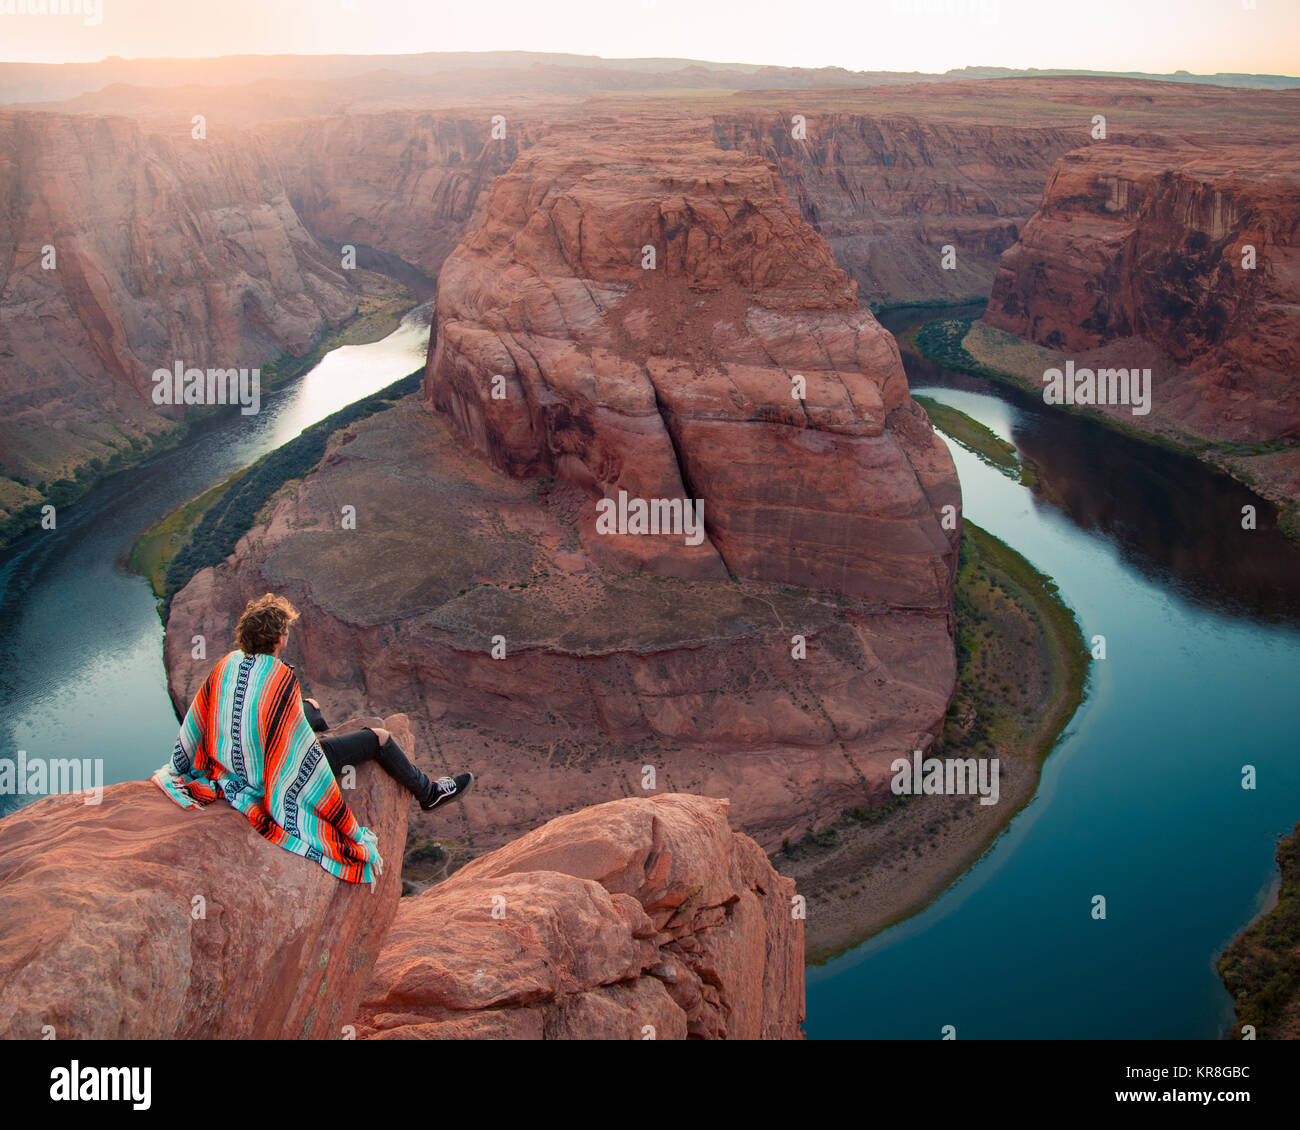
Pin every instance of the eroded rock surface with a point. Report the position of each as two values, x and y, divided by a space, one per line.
1138 256
101 936
631 920
739 369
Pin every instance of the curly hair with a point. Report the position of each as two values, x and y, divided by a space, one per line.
264 622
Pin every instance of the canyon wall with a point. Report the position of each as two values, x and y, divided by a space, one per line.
408 183
889 192
207 251
1144 247
122 252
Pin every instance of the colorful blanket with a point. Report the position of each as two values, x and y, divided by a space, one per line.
245 738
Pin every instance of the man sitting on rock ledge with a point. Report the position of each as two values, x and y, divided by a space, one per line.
247 737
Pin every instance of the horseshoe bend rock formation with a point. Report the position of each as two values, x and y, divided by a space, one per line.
634 919
676 377
622 652
782 663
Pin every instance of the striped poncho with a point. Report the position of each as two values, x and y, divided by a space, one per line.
246 738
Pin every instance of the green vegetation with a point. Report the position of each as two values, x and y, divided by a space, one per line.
1261 969
153 552
942 341
205 530
1288 522
977 439
997 589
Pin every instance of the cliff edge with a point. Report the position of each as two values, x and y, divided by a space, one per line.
136 919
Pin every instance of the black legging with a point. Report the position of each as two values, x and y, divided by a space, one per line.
361 746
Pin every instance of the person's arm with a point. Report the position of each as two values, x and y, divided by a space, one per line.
315 719
310 707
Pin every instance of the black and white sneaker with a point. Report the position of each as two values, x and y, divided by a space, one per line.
447 788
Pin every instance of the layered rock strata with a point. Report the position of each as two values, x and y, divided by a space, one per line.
122 252
642 312
1187 258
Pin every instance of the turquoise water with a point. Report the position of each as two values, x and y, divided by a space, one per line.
1142 800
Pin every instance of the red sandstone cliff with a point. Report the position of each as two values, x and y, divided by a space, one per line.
137 919
1140 247
165 250
678 380
633 920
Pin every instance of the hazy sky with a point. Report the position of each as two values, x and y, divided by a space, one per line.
1261 36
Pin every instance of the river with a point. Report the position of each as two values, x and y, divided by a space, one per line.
81 668
1141 802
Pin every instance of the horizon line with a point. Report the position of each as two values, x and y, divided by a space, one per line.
617 59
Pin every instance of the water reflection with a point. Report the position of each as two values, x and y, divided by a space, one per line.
1172 518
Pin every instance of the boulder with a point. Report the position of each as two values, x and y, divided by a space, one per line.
635 919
